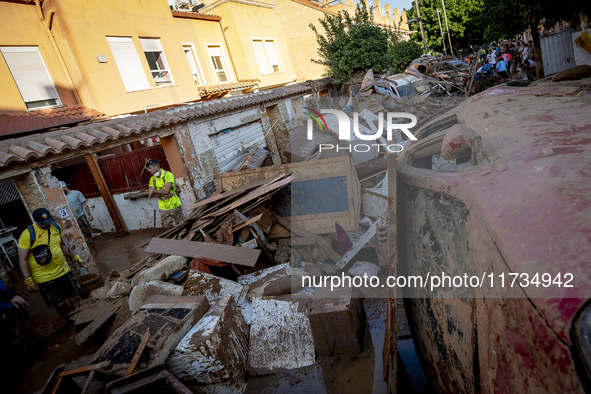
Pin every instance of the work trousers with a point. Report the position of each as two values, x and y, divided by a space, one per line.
171 217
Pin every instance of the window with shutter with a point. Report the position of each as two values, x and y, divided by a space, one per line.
31 77
156 60
128 63
272 56
259 52
219 66
266 55
194 64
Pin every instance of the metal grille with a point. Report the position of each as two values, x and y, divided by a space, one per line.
8 192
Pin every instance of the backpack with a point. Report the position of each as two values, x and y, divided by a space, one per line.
42 253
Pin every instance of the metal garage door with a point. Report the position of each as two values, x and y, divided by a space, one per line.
233 144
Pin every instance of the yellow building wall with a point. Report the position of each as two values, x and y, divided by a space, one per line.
22 27
243 23
201 33
84 26
301 41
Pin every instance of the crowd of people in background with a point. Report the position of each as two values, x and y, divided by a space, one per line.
510 60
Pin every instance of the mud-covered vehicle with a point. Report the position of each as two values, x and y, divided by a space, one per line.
499 189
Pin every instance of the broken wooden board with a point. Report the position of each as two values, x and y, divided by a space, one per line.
373 204
236 191
371 168
258 192
278 231
223 253
138 352
167 319
361 242
312 207
245 223
239 179
324 245
99 322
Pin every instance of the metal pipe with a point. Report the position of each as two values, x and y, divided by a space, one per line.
441 30
421 25
451 49
47 24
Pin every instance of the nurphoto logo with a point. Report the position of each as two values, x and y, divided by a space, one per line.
344 125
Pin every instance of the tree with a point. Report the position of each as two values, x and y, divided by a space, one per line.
511 17
467 22
404 52
353 43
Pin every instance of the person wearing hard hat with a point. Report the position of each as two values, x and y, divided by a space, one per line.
162 185
41 250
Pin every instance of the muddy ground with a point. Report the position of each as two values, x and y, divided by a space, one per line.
341 374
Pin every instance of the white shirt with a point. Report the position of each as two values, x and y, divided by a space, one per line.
492 58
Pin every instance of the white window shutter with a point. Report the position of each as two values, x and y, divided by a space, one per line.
151 45
272 54
261 58
29 73
191 61
214 51
128 63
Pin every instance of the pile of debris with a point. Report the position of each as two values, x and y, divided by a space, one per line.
213 303
233 291
435 76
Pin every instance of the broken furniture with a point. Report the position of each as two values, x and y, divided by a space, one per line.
152 380
212 356
280 337
61 382
167 319
338 325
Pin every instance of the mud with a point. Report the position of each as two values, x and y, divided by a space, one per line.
119 253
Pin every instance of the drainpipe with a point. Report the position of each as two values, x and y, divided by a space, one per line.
231 58
47 24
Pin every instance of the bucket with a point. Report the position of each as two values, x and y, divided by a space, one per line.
90 282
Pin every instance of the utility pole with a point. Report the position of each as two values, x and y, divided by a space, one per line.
421 24
441 30
451 50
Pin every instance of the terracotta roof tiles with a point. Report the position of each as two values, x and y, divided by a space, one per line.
39 145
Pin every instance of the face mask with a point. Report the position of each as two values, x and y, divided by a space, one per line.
157 174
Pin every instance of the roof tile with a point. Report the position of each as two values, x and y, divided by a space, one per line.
83 136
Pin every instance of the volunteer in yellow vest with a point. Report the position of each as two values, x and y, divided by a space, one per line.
41 251
163 186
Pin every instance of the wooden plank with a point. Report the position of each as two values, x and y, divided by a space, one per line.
233 192
138 353
295 241
321 242
247 223
254 194
224 253
278 231
82 370
103 187
88 380
390 351
235 179
361 242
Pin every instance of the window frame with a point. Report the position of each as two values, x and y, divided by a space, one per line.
200 75
30 49
226 69
128 39
264 40
164 61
